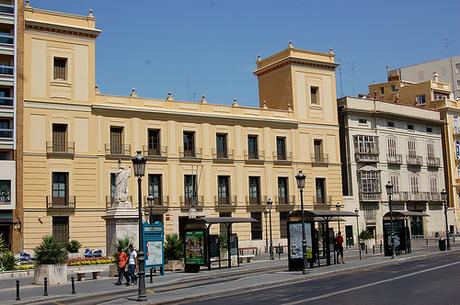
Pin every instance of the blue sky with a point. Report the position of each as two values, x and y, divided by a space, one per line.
208 47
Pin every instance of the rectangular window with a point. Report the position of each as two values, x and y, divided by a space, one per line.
223 189
223 227
429 129
6 130
283 224
391 147
221 145
393 88
318 147
256 227
410 126
254 190
5 192
314 95
189 144
414 185
430 150
457 68
61 229
60 68
283 194
420 99
390 124
59 137
382 90
394 179
252 147
60 192
281 148
369 182
411 145
116 140
190 189
433 185
155 188
362 121
154 148
366 144
320 190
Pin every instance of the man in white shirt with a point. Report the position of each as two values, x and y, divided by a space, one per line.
132 263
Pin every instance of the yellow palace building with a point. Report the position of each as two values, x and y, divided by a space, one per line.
225 160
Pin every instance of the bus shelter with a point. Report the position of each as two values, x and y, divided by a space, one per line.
201 246
318 234
401 229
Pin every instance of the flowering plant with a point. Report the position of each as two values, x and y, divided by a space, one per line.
84 261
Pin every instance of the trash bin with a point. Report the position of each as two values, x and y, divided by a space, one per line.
442 245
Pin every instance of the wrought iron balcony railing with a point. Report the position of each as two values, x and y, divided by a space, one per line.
433 162
60 148
394 159
190 153
116 150
158 152
370 196
61 203
414 160
225 154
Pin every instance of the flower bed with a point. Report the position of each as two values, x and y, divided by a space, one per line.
85 261
24 267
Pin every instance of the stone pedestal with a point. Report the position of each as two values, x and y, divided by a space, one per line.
121 222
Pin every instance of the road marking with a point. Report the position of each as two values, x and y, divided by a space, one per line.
369 284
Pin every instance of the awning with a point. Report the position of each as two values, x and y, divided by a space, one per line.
213 220
320 215
406 214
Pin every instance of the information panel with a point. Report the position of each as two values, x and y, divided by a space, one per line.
295 239
194 247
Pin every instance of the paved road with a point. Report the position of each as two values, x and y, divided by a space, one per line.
422 281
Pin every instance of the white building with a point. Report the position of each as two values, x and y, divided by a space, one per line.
384 142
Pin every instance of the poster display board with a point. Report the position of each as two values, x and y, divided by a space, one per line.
399 236
295 239
194 247
153 245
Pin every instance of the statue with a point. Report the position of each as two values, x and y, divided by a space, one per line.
121 186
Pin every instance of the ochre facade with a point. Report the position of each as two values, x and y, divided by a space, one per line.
62 99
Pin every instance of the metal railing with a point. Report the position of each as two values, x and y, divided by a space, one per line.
159 202
6 101
228 201
420 196
6 133
115 149
394 159
60 148
7 9
367 157
67 203
226 154
370 196
286 156
254 155
319 158
287 200
322 200
160 152
6 70
190 202
110 201
190 154
433 162
414 160
253 200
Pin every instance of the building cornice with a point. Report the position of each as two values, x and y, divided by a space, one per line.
58 28
297 62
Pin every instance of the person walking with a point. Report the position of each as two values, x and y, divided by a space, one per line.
122 260
132 264
339 246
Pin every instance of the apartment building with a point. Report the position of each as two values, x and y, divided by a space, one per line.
436 95
9 12
447 68
219 160
382 142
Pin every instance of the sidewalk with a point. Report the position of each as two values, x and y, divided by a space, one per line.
179 286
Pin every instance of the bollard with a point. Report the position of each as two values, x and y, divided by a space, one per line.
380 246
155 269
426 241
373 249
45 287
72 279
151 275
366 249
17 290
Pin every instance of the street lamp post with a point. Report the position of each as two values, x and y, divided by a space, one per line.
269 207
338 206
446 206
300 177
357 229
389 188
150 200
139 170
266 230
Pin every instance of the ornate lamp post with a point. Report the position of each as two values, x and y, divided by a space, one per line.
389 188
269 207
139 170
300 177
266 231
446 206
357 229
150 203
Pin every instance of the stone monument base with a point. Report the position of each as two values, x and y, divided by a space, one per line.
121 222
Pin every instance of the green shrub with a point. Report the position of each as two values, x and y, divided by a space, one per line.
174 247
73 246
7 261
122 243
50 252
365 235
